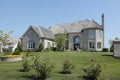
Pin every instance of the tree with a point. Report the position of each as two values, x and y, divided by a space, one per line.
26 64
111 45
18 49
67 67
19 46
61 40
93 72
42 67
3 38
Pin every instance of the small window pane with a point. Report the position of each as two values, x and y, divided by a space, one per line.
99 45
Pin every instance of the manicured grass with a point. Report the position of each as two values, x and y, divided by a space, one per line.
110 66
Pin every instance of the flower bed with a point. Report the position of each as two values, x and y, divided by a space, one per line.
11 58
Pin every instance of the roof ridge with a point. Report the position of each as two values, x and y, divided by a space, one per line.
40 31
95 22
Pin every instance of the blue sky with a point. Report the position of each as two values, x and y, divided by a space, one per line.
18 15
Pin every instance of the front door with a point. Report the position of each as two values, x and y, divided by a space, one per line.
76 43
76 46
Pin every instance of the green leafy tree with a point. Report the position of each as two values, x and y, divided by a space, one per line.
18 49
42 67
3 38
19 46
61 40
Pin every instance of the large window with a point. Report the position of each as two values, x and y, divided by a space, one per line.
99 45
91 33
91 45
31 45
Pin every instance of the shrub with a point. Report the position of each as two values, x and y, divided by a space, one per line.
92 72
16 52
53 48
67 67
41 47
19 47
105 50
25 64
43 68
47 49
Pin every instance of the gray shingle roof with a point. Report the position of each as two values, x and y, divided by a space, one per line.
44 33
77 26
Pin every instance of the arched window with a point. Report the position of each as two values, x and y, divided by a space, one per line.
77 40
31 45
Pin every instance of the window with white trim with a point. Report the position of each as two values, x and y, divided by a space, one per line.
31 45
91 45
99 45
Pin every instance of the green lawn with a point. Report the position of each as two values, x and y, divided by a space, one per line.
110 66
